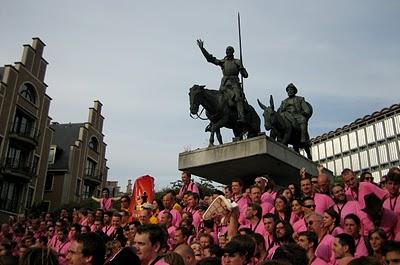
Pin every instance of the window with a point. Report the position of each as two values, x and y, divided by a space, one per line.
321 150
380 135
346 162
345 143
353 140
29 199
52 155
338 166
314 152
373 157
397 123
383 157
336 146
10 196
331 166
361 137
86 191
35 164
393 153
23 124
389 129
93 143
329 148
355 161
27 91
90 168
48 186
370 134
364 160
78 187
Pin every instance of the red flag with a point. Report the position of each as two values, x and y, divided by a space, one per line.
143 186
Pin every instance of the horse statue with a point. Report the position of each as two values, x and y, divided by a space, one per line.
222 114
282 129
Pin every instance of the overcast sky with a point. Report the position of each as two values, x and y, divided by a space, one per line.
139 58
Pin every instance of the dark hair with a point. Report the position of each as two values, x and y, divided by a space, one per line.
346 171
242 244
39 256
156 234
257 208
353 217
332 213
269 215
391 246
92 245
209 261
185 232
365 260
287 209
347 240
105 189
259 239
393 175
363 174
78 227
288 232
292 253
311 237
173 258
238 180
381 234
126 197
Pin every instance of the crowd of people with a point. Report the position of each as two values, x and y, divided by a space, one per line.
311 221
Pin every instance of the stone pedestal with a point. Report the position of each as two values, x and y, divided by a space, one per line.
247 159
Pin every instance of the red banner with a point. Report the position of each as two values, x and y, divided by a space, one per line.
143 188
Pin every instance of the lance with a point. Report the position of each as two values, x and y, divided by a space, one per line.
240 50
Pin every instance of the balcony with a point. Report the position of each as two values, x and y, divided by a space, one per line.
24 132
15 168
94 176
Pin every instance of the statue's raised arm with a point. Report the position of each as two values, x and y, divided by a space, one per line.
209 57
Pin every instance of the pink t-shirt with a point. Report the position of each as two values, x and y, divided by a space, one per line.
106 204
256 228
324 249
300 225
361 248
268 197
171 237
364 188
176 217
318 261
188 187
108 229
347 208
322 202
62 251
394 205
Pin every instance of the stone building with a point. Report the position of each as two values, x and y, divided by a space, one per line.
77 165
371 143
24 131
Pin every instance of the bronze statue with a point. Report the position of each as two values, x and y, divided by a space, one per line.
221 114
230 85
289 124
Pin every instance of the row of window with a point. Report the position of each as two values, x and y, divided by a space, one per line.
366 159
385 129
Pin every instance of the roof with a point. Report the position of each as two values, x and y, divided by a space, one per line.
64 136
358 121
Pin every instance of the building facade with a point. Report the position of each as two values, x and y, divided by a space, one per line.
371 143
24 131
77 165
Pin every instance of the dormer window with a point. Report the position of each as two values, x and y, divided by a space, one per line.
28 92
93 144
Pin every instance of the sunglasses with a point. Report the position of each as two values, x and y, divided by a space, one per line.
311 222
314 182
310 206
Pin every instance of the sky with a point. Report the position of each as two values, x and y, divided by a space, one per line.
139 58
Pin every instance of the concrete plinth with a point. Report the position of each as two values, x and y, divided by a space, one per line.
247 159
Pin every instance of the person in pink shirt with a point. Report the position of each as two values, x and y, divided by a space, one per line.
377 240
106 202
255 197
392 186
63 246
150 240
297 211
168 201
352 226
309 241
331 220
342 206
344 248
356 191
282 209
108 229
166 220
325 241
374 215
238 197
267 189
254 219
269 224
188 185
322 201
192 208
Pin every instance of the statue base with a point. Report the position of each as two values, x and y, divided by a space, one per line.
247 159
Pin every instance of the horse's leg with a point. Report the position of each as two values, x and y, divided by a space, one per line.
287 135
308 152
219 136
211 141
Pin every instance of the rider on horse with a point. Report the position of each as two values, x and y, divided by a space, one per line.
230 85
